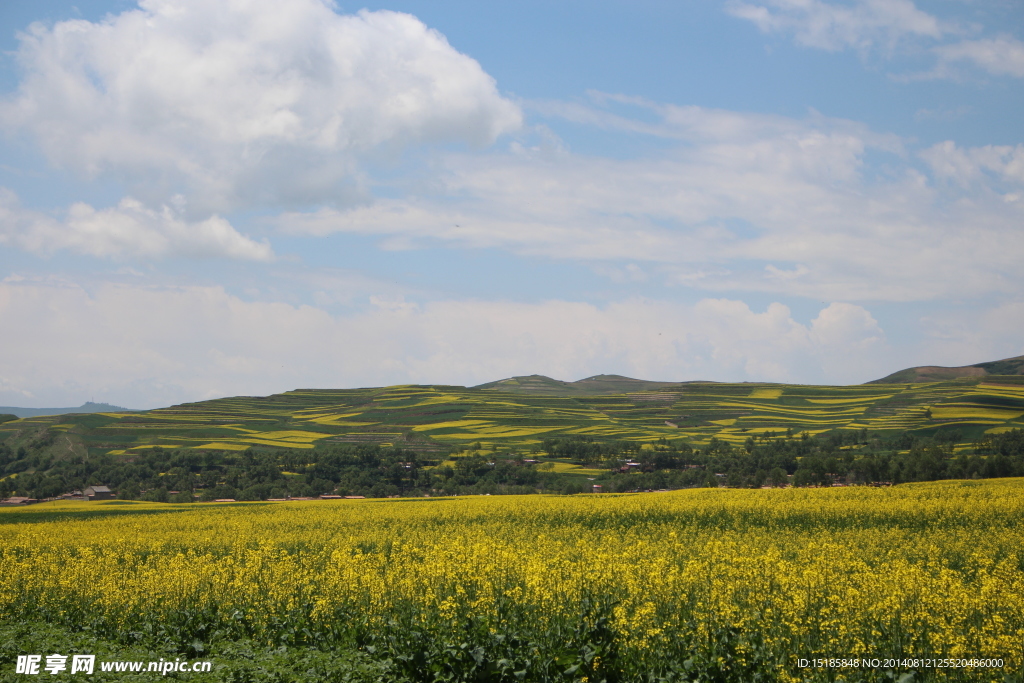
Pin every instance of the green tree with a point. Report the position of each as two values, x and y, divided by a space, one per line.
129 491
778 477
157 495
804 477
759 478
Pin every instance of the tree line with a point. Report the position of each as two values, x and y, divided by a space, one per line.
770 458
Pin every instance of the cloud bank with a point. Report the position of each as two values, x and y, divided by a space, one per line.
737 202
154 346
128 231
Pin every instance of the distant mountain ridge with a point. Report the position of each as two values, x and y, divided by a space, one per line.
601 385
87 407
591 386
938 373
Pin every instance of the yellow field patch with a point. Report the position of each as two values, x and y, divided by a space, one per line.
339 421
312 415
765 393
756 431
495 433
952 412
783 420
224 446
278 444
446 463
294 435
437 400
840 401
568 467
454 424
1002 429
1001 388
787 410
558 467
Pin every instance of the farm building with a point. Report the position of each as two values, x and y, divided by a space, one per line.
98 493
18 500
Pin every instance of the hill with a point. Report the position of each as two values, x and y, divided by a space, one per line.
523 436
591 386
87 407
522 413
937 373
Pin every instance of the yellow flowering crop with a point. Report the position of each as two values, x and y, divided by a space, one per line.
933 569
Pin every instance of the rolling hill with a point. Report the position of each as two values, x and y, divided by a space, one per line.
936 373
521 413
87 407
597 385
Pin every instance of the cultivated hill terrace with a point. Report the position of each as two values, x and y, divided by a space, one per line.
521 413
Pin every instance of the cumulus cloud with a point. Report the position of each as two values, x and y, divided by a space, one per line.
129 230
740 202
129 347
836 26
246 103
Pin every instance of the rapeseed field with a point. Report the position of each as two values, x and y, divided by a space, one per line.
708 584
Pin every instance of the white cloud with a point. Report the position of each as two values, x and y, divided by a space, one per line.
1002 56
147 346
835 26
968 166
129 230
866 25
741 202
246 103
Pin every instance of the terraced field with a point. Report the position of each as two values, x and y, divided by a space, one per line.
445 418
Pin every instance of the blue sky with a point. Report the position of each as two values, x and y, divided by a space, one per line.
200 199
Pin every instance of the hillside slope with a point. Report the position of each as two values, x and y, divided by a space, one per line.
937 373
439 419
591 386
87 407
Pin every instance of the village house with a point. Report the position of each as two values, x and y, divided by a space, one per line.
98 493
17 500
